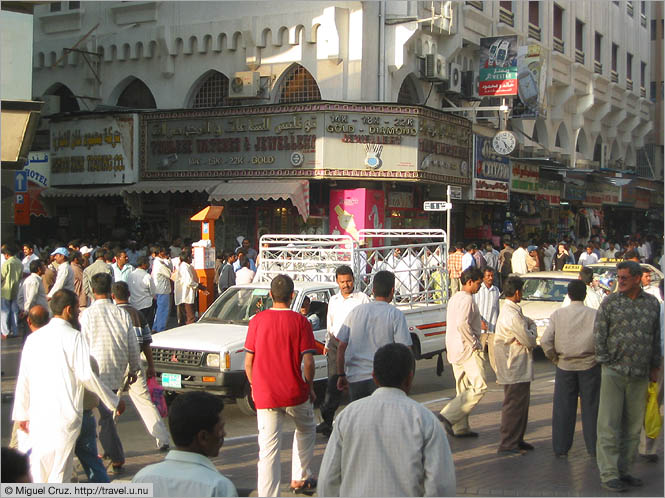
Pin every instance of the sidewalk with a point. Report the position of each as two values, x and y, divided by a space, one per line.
480 472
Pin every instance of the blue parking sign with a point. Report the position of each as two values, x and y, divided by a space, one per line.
21 181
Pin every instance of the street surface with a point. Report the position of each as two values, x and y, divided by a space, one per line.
479 470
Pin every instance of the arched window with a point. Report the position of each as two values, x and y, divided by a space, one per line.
68 102
299 86
137 96
408 93
214 91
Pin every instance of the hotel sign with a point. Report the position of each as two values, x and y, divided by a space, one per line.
319 139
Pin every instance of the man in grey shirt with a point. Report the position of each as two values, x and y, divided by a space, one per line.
366 328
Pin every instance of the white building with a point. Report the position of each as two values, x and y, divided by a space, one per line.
122 56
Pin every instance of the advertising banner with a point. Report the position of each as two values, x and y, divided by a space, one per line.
550 191
491 172
490 190
531 83
352 210
100 150
524 178
498 66
598 194
573 192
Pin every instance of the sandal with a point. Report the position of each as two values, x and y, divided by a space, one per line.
308 487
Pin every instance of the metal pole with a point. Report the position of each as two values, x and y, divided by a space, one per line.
448 219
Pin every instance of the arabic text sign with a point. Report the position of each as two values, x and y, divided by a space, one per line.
98 150
490 190
488 164
524 178
437 206
498 66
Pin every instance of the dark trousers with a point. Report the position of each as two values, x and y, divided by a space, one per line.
362 389
186 314
149 315
333 396
86 450
108 435
568 384
514 415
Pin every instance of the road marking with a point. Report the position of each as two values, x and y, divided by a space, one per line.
240 438
431 401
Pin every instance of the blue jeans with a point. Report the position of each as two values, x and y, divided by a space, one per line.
162 313
86 450
9 314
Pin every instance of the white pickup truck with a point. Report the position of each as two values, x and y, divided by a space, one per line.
209 354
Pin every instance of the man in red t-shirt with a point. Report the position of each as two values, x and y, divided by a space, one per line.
278 341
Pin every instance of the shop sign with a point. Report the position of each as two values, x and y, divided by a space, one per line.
488 164
531 83
642 198
550 191
403 200
524 178
323 139
490 190
498 66
98 150
600 193
573 192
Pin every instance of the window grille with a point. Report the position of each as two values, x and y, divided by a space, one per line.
299 86
214 92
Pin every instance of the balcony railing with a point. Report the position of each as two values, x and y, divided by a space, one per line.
643 92
579 56
629 8
506 16
534 32
643 20
597 67
557 44
614 76
476 4
629 84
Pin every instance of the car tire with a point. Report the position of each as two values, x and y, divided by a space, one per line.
246 403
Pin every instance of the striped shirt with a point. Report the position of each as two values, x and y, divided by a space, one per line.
112 340
488 305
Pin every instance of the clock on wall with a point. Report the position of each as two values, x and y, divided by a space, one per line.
504 142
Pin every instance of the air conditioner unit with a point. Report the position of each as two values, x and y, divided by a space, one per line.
470 84
435 67
245 85
454 78
51 105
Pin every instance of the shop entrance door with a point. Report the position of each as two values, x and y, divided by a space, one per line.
276 218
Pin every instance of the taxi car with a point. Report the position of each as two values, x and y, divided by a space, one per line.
606 271
544 292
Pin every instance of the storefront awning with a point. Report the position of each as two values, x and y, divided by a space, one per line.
147 187
296 191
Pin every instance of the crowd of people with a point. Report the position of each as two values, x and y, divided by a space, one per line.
605 355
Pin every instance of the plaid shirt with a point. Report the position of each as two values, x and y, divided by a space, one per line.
455 264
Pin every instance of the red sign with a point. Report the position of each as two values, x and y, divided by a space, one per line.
497 87
22 209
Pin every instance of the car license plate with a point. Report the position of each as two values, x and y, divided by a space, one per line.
171 380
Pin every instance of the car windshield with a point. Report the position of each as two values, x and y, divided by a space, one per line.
544 289
237 305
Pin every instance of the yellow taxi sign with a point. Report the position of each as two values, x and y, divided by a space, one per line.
572 267
610 260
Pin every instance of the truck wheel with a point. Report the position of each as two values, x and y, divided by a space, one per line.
415 347
246 403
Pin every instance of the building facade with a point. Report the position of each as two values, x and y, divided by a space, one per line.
290 113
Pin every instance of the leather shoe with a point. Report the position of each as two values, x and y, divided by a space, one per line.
631 480
466 434
561 455
511 452
649 458
614 485
523 445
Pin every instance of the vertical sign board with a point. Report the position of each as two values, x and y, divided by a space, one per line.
498 66
22 209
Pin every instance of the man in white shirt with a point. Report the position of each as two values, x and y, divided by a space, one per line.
142 289
184 290
519 259
468 260
593 298
30 256
588 257
121 268
244 275
197 429
487 300
48 403
33 289
366 328
114 345
397 442
650 289
161 276
65 276
548 255
339 307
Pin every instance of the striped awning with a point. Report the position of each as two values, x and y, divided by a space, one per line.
296 191
145 187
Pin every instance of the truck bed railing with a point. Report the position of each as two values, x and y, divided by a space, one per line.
418 258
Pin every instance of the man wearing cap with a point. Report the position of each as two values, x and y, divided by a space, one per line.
65 277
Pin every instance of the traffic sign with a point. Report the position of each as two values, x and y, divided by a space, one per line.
437 206
455 192
20 181
22 209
